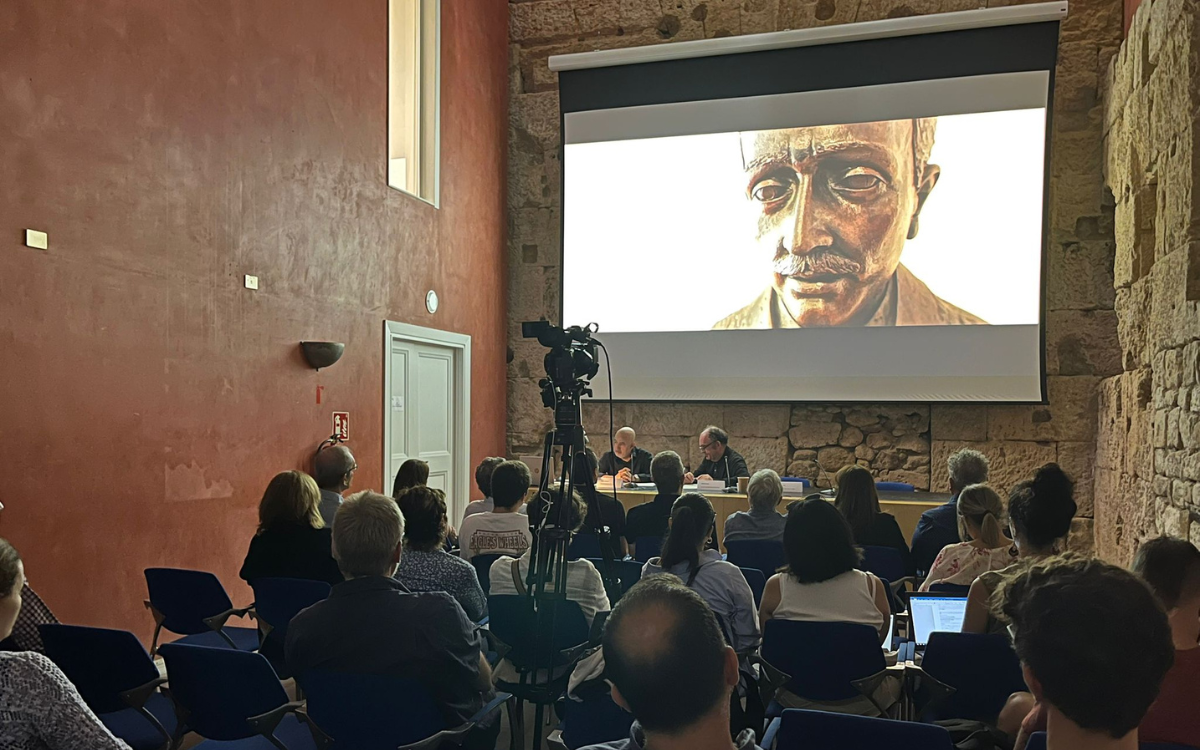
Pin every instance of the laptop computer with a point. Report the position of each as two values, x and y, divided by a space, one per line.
930 613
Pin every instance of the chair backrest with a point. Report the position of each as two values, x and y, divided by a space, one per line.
185 598
757 581
483 569
894 487
759 554
219 688
278 600
1037 741
646 547
884 562
584 544
982 668
823 657
101 663
594 718
628 571
512 619
371 712
949 588
820 730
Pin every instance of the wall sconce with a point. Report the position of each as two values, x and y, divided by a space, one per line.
322 353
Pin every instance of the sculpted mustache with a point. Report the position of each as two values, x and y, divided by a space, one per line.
816 263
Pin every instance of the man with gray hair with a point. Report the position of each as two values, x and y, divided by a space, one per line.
333 468
762 522
938 526
371 624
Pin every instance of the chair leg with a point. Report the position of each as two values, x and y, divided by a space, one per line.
538 712
516 724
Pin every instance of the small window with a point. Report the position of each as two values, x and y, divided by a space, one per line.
414 60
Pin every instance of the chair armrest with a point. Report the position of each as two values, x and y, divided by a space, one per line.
265 724
495 644
216 622
768 740
158 616
137 697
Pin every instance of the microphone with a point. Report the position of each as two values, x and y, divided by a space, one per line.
826 473
727 467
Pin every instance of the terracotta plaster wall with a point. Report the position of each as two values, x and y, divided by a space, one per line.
168 148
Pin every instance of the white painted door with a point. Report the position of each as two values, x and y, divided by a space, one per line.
422 391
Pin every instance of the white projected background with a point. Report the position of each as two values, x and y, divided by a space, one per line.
658 232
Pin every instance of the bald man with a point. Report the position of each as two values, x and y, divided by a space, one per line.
626 461
333 468
668 664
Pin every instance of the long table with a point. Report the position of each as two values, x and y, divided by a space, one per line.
907 507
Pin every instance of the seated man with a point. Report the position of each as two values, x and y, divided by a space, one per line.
333 468
1172 568
938 527
669 666
651 519
371 624
483 480
503 531
1094 645
720 461
625 462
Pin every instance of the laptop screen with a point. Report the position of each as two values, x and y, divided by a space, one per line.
935 613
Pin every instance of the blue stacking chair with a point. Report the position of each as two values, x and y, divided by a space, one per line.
761 555
628 571
798 729
483 569
193 603
757 581
949 588
276 602
233 698
116 678
514 623
594 718
823 658
1037 741
646 547
884 562
895 487
983 669
381 712
584 544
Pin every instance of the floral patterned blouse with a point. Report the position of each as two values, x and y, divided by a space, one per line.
960 564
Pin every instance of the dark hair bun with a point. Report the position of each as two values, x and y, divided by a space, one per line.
1042 509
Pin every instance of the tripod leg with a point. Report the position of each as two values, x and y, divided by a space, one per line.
538 711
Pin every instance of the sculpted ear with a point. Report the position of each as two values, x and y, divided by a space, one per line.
924 188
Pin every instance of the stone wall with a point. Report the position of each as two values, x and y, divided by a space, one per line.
1148 442
898 441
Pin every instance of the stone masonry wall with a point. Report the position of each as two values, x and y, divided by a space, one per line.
905 442
1148 440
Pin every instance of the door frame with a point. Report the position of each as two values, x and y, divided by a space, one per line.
460 343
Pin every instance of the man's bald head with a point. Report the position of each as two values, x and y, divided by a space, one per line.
623 442
332 468
666 656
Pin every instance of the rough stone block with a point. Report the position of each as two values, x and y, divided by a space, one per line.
1082 538
815 434
805 413
804 14
1079 276
675 419
762 453
1172 521
1070 415
1078 461
757 420
1008 461
834 458
526 415
541 21
596 421
850 437
958 422
1082 343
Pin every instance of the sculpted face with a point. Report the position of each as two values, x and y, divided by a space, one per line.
834 206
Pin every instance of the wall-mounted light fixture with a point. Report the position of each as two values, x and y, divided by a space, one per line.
322 353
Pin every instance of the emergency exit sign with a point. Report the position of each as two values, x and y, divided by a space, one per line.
341 425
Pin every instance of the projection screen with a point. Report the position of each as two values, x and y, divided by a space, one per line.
860 220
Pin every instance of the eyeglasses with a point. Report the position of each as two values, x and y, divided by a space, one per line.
706 446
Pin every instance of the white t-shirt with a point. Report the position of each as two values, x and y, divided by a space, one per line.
486 505
494 534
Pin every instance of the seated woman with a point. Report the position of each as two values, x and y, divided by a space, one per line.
720 583
980 511
1039 515
858 501
412 473
763 521
585 586
424 565
40 707
822 582
291 541
603 508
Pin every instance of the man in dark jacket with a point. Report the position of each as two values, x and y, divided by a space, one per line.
720 461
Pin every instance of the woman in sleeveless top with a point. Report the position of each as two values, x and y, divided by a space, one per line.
821 582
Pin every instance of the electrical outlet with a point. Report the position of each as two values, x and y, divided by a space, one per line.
37 240
251 282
